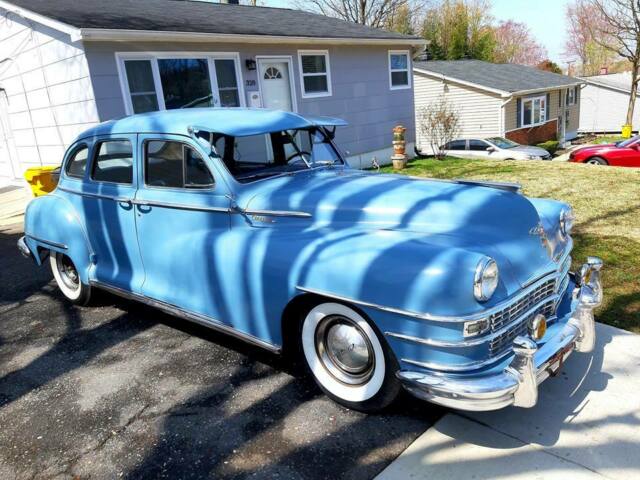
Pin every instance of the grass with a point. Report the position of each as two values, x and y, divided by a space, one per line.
608 139
606 201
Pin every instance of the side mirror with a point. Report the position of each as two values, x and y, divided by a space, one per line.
492 149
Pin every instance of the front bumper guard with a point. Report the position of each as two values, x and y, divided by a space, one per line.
518 383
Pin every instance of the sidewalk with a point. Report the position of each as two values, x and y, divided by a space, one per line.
586 425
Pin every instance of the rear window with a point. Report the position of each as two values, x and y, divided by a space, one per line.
77 163
456 145
113 162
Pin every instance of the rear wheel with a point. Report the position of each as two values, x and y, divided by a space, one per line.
68 278
597 161
348 359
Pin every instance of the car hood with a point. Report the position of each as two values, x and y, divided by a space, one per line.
596 149
529 150
495 222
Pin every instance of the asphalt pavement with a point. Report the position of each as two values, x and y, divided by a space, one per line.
121 390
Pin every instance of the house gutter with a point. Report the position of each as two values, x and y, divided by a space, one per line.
117 35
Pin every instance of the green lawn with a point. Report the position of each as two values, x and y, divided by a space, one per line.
606 201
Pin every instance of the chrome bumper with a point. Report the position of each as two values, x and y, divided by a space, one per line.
24 249
518 383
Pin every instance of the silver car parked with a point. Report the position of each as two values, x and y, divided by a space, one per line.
497 148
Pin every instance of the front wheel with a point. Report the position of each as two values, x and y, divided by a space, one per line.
347 358
68 279
597 161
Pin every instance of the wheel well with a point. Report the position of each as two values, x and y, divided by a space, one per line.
291 320
598 157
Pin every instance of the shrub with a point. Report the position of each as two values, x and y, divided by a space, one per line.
550 146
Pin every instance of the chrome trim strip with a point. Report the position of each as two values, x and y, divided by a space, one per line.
436 318
185 314
97 195
61 246
181 206
476 341
277 213
460 367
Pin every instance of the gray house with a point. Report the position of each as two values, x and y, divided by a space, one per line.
67 64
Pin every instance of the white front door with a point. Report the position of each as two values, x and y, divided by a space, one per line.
275 83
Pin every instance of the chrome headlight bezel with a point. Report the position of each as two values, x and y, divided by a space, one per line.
566 221
485 280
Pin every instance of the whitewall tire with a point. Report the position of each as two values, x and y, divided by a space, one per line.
68 279
347 358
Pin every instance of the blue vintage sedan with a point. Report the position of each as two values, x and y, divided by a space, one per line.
252 223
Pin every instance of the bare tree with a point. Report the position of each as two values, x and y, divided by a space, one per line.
583 22
516 44
619 31
375 13
439 124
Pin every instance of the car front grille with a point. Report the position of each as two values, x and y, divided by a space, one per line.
513 319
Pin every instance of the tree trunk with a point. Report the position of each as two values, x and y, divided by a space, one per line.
634 92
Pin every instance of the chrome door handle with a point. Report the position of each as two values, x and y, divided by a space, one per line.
126 201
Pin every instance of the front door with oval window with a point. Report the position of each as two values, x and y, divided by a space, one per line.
275 83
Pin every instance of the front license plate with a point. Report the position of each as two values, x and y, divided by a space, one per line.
558 360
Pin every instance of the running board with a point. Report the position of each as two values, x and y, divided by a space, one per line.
190 316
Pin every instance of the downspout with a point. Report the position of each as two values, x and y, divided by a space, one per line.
503 125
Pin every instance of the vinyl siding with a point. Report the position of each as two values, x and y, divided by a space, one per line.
479 111
554 111
360 89
604 110
49 97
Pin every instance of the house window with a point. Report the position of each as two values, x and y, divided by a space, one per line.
315 73
399 76
571 96
534 111
159 82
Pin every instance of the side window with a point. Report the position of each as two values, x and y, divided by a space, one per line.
113 162
175 165
477 145
77 163
456 145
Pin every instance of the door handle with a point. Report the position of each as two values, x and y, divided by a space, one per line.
123 200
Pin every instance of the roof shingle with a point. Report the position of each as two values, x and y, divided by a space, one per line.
200 17
507 77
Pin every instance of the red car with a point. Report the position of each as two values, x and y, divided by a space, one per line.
620 154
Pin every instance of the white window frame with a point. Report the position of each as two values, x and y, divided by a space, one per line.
570 96
533 100
325 53
408 70
121 57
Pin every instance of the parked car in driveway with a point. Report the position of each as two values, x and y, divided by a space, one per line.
252 223
494 148
621 154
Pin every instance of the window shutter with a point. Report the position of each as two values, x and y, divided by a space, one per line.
547 109
575 94
559 98
518 112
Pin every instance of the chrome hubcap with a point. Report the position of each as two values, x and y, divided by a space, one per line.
345 350
68 272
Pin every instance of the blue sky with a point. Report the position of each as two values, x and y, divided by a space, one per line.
545 18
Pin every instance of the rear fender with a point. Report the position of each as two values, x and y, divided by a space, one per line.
51 223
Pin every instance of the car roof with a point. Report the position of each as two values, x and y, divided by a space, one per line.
235 122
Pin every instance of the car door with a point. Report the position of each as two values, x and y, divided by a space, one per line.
182 210
478 149
626 157
456 148
106 204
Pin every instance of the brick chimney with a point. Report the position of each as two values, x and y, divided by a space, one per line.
604 71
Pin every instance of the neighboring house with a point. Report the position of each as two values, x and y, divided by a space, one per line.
521 103
66 65
605 99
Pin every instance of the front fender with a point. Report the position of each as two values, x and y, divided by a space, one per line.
398 270
51 223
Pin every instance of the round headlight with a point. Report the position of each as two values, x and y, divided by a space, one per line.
566 222
486 279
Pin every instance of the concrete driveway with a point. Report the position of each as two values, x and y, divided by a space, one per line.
123 391
586 425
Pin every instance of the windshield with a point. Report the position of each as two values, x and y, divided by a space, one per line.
258 156
626 143
502 142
